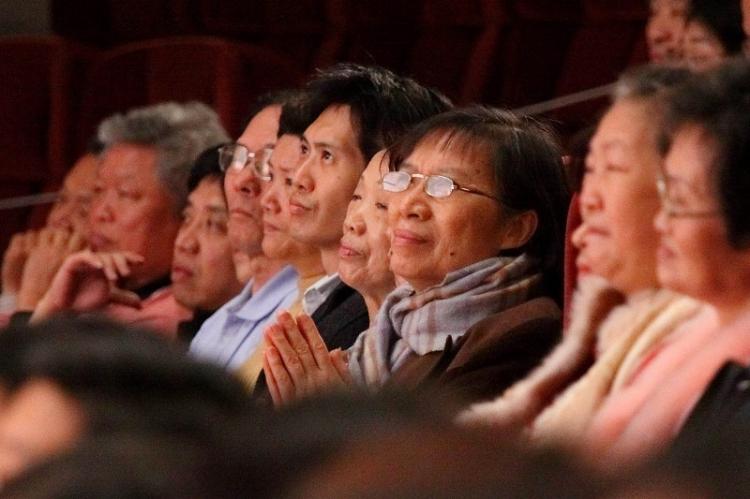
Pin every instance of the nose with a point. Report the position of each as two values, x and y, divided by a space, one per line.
661 221
590 199
186 241
101 210
245 181
269 200
578 236
412 203
354 223
303 181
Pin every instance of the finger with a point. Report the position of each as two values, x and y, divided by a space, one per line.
47 236
124 297
287 354
297 341
271 383
108 266
284 381
121 263
60 237
30 240
315 341
133 258
340 361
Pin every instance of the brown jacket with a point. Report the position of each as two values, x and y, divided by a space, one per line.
490 357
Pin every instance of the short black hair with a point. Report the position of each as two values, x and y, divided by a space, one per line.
718 102
723 18
383 104
206 166
296 114
273 98
528 170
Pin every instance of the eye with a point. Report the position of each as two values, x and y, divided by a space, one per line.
381 206
326 156
614 167
304 149
356 197
288 181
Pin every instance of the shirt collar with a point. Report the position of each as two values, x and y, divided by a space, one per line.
269 296
319 292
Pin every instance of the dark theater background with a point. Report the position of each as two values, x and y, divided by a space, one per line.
66 64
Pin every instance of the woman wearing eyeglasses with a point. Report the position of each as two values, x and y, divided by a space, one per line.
704 253
476 219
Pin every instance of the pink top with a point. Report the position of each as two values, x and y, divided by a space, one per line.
160 312
635 419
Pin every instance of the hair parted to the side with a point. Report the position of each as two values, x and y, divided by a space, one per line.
527 166
177 132
383 104
718 103
723 18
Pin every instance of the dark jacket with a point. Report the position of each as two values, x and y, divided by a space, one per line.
342 317
496 352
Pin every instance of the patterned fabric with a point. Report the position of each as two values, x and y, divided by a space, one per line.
411 323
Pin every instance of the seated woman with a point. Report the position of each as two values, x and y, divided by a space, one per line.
704 253
618 310
713 33
135 215
476 218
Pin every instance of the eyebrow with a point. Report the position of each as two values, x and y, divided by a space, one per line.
443 170
326 145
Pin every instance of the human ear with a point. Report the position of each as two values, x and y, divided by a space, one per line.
519 229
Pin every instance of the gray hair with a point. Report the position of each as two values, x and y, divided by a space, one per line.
645 82
178 133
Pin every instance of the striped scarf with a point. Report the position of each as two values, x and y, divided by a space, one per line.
411 323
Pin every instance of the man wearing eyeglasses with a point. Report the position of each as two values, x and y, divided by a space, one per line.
230 335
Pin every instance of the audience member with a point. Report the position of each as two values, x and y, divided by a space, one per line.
140 192
703 253
713 33
618 311
203 273
33 257
478 259
230 335
665 30
69 378
360 110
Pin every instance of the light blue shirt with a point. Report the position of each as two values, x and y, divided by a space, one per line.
233 332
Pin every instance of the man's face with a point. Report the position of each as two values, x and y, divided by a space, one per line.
277 242
324 183
243 188
131 206
665 29
71 210
203 274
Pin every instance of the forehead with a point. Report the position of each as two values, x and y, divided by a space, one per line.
691 155
208 193
624 125
334 125
286 152
377 166
128 162
262 129
657 5
452 155
83 174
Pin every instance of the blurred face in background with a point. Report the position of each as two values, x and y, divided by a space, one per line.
71 210
203 273
665 30
133 211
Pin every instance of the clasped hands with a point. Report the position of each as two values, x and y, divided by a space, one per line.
297 362
88 281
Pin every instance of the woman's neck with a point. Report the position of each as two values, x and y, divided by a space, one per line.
731 309
308 264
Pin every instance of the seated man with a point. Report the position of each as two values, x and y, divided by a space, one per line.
665 30
203 272
231 334
360 110
33 257
140 192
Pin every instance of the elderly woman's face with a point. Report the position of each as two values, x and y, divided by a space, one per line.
363 253
694 256
431 237
619 200
132 211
